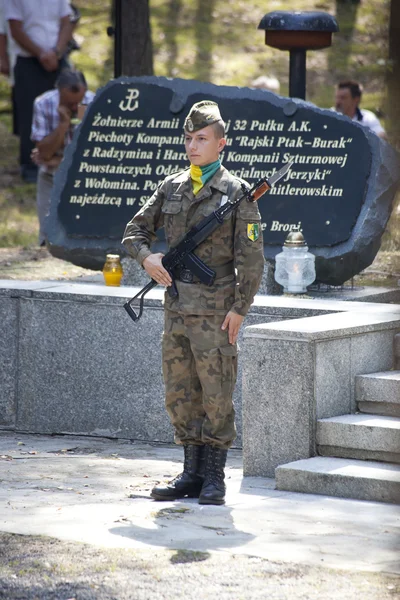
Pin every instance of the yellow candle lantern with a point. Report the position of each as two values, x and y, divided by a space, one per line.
112 270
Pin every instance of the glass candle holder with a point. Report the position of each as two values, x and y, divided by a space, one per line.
112 270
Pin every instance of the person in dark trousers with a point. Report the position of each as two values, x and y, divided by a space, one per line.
42 31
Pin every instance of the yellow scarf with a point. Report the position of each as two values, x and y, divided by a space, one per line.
200 175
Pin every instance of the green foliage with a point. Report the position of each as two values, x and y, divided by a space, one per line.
218 41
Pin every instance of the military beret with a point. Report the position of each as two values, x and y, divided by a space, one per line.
201 115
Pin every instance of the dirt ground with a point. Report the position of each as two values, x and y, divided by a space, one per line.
37 264
41 568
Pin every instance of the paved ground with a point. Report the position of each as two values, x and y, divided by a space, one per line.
262 544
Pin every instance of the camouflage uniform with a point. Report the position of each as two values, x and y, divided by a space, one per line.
199 364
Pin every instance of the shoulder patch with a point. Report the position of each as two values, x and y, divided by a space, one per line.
253 231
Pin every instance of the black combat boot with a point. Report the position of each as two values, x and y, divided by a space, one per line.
213 490
189 482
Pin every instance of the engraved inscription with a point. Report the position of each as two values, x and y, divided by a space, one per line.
130 141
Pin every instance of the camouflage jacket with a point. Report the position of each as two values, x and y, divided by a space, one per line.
175 207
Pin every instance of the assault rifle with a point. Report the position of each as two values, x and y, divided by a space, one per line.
182 256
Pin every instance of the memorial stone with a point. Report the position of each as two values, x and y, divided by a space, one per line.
339 191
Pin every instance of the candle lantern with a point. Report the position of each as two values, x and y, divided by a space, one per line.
295 266
112 270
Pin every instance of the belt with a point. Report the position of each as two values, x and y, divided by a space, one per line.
186 275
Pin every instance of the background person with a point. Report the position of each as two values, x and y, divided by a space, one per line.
8 58
52 131
42 31
348 95
201 323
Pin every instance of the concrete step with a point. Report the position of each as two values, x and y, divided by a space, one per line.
379 393
341 477
360 436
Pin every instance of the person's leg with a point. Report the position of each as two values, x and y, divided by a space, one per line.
183 393
22 104
216 365
43 195
31 80
14 112
184 407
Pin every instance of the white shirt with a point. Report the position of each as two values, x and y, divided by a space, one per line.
40 20
12 46
369 120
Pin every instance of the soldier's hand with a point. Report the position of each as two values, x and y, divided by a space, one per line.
153 267
232 322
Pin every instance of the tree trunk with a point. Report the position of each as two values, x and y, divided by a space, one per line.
136 49
393 78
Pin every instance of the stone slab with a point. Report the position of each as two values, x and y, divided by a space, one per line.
308 366
322 305
353 453
345 478
381 387
331 326
16 288
370 353
98 373
85 222
332 365
287 305
379 408
8 361
94 374
357 294
278 406
360 432
73 306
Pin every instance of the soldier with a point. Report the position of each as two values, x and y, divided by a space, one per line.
201 323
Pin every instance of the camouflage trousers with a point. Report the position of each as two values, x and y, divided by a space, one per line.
200 368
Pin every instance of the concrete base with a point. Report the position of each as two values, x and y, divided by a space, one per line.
73 362
299 371
379 393
379 408
341 477
367 293
375 455
365 434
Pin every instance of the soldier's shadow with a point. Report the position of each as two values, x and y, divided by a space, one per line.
186 525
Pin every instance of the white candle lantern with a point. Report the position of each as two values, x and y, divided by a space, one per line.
295 266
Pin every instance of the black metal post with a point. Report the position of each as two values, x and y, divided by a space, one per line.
297 74
118 39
